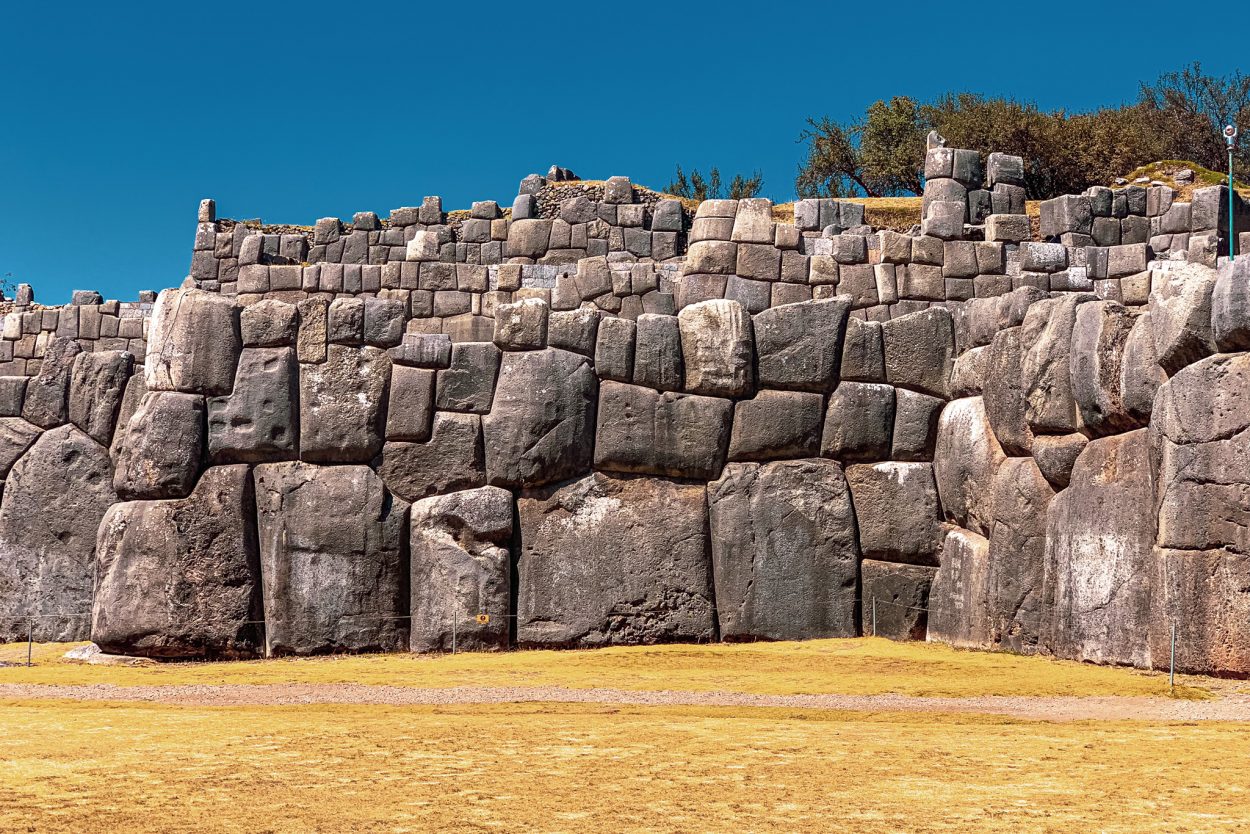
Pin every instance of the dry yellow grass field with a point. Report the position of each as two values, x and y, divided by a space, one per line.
72 767
864 666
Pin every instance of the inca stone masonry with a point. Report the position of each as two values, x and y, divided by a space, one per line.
603 417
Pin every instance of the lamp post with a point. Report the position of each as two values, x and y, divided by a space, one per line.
1230 133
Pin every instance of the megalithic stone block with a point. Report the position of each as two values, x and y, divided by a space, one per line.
461 568
784 552
576 589
333 559
718 345
193 343
181 578
54 498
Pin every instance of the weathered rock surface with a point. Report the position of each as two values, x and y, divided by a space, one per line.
896 505
193 343
54 498
1045 365
1140 373
97 385
540 428
452 459
775 425
966 459
643 431
800 345
959 596
47 394
16 436
896 599
333 559
1018 597
1056 454
1099 535
1180 307
259 421
718 347
461 568
920 351
1099 336
859 422
609 560
1230 307
181 578
784 551
341 402
1199 434
1004 394
160 454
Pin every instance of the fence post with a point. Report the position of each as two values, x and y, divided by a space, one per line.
874 616
454 621
1172 662
30 639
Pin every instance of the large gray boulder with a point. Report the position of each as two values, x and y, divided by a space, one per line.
863 352
959 611
896 506
859 422
450 460
643 431
1004 394
915 425
800 345
1046 367
461 568
609 560
658 361
54 498
1200 434
47 394
540 428
776 424
1140 373
1019 600
1230 307
920 351
258 421
410 403
193 343
181 578
1099 337
97 385
341 403
16 436
965 461
895 599
1180 306
718 347
1100 533
784 552
160 453
333 559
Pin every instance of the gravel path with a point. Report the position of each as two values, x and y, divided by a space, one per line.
1231 707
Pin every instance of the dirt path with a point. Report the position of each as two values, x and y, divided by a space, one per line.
1233 707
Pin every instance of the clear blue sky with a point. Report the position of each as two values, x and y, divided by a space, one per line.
115 119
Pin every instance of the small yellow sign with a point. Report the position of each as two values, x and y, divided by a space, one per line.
483 618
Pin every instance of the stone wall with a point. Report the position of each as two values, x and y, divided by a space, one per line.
650 451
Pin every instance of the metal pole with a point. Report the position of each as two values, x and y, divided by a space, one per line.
454 620
1232 227
1230 134
874 616
30 638
1172 664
